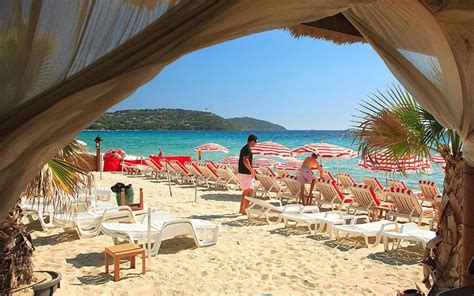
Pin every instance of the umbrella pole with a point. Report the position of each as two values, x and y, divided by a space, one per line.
101 169
169 179
195 191
149 239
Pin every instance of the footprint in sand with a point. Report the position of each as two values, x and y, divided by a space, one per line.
308 285
265 277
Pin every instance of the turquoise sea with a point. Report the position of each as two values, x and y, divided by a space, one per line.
144 143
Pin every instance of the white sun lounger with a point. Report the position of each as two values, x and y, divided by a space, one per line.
37 209
407 231
272 208
87 224
366 230
163 228
317 220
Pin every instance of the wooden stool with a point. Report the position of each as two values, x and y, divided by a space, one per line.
121 251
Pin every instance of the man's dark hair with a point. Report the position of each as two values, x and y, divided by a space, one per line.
314 155
251 138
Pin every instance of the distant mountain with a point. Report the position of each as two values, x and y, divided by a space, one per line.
248 123
176 119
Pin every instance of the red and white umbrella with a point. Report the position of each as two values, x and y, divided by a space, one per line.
293 165
265 162
325 150
212 147
271 149
229 160
382 162
438 159
261 162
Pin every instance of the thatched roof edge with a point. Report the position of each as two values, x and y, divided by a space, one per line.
339 38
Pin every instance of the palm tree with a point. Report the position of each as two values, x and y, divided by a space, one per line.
396 123
61 179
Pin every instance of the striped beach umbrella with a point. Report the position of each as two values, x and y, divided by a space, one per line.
271 149
265 162
293 165
325 150
229 160
212 147
260 162
438 159
382 162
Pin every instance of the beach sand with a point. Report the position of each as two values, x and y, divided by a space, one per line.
250 258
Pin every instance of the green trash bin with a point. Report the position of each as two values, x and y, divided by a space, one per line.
117 188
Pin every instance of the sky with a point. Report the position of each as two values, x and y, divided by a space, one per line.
302 84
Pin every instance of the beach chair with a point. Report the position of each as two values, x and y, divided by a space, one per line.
87 223
429 191
374 183
180 171
293 189
38 209
326 175
316 221
211 177
396 184
365 199
409 232
195 173
329 194
283 173
228 178
268 185
346 181
407 206
366 230
157 171
378 187
163 227
269 172
271 209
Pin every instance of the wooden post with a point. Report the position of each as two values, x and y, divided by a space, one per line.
98 141
142 204
148 245
467 251
122 195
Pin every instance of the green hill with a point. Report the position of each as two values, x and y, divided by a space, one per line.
176 119
248 123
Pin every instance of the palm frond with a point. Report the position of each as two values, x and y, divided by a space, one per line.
393 122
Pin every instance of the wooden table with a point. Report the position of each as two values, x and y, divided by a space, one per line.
123 251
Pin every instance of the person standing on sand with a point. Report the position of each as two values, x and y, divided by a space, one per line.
246 172
305 175
160 152
199 153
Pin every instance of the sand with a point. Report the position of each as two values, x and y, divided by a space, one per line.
250 258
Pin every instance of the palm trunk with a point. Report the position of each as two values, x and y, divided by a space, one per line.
16 249
445 266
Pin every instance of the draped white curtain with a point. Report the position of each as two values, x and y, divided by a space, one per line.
430 54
